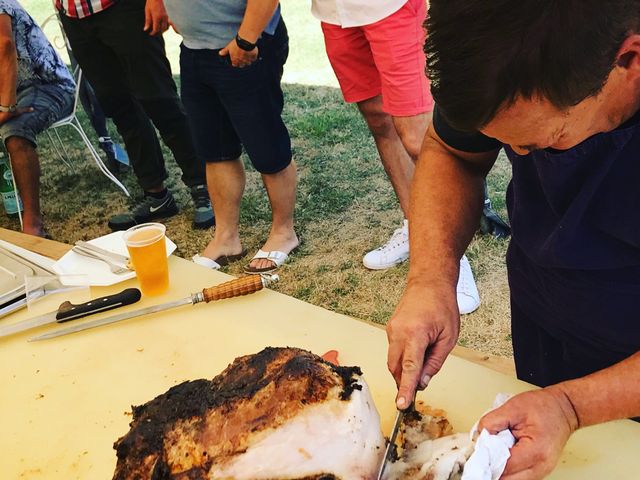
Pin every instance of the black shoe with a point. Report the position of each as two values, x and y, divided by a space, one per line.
203 215
150 209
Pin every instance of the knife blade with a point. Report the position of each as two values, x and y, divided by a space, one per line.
390 451
232 288
68 311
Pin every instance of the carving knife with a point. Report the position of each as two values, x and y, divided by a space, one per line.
390 453
68 311
230 289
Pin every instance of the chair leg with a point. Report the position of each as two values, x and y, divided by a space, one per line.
57 149
64 149
76 124
15 192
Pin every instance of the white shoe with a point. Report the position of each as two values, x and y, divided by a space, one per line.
395 251
466 290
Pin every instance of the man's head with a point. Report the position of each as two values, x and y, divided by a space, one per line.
532 73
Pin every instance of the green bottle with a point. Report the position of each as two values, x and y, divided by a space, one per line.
10 198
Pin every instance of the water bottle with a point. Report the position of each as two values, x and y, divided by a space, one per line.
10 198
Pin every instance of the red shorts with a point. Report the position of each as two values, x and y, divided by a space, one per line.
385 57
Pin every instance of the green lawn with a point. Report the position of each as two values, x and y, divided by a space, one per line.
345 203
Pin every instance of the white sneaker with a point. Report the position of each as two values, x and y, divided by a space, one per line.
395 251
466 290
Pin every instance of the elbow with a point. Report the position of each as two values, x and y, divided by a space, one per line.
7 46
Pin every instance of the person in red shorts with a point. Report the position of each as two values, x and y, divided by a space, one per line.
376 51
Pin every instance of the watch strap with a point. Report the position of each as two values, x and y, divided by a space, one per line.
245 45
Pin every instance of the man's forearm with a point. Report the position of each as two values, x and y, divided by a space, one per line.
256 18
446 204
610 394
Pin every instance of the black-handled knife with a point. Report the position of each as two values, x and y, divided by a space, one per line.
68 311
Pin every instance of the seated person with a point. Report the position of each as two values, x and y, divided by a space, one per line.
36 90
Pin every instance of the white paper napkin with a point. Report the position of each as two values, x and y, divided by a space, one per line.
491 452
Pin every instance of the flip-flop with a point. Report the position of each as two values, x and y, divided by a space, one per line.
278 258
221 261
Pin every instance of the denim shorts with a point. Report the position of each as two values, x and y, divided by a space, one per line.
50 103
230 108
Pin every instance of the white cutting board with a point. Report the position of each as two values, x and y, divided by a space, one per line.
65 401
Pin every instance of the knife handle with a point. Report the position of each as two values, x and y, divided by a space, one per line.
68 311
234 288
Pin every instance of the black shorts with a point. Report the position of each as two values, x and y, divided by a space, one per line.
230 107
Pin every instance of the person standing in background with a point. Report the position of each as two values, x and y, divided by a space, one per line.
119 46
231 64
376 51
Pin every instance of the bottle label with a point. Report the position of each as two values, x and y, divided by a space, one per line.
12 203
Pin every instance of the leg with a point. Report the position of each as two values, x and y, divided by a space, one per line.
411 131
395 159
225 181
281 188
26 169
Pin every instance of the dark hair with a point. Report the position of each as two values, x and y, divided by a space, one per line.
482 54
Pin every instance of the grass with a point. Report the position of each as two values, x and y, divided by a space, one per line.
345 204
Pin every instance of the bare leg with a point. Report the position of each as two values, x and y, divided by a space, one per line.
395 159
281 188
411 131
225 183
26 168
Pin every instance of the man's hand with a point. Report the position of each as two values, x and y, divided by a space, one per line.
541 421
423 330
6 116
239 58
156 20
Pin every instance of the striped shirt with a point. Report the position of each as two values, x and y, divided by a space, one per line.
82 8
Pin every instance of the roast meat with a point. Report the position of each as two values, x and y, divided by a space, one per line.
283 413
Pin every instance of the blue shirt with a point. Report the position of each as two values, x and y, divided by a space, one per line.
38 62
211 24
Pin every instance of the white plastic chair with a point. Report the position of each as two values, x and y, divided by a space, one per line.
72 120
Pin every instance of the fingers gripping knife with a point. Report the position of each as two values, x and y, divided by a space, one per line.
230 289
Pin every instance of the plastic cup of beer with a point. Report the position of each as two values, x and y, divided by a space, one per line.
148 252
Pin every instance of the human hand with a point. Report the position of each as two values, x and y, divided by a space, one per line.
422 332
541 421
6 116
156 20
239 58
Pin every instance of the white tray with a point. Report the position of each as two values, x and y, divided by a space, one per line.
97 271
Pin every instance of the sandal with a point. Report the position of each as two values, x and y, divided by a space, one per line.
278 258
221 261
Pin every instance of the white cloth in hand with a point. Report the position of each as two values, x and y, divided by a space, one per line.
491 452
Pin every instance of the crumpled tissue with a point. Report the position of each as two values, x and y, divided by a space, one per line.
491 452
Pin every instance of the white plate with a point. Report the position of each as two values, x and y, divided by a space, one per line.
97 271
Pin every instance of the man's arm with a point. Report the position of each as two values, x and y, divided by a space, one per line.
446 204
256 18
8 63
542 420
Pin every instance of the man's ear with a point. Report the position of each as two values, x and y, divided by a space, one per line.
629 54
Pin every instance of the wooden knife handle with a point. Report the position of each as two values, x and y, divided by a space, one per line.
233 288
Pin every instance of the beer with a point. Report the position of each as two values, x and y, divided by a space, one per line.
148 252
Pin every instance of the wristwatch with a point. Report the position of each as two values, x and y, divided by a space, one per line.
245 45
9 109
